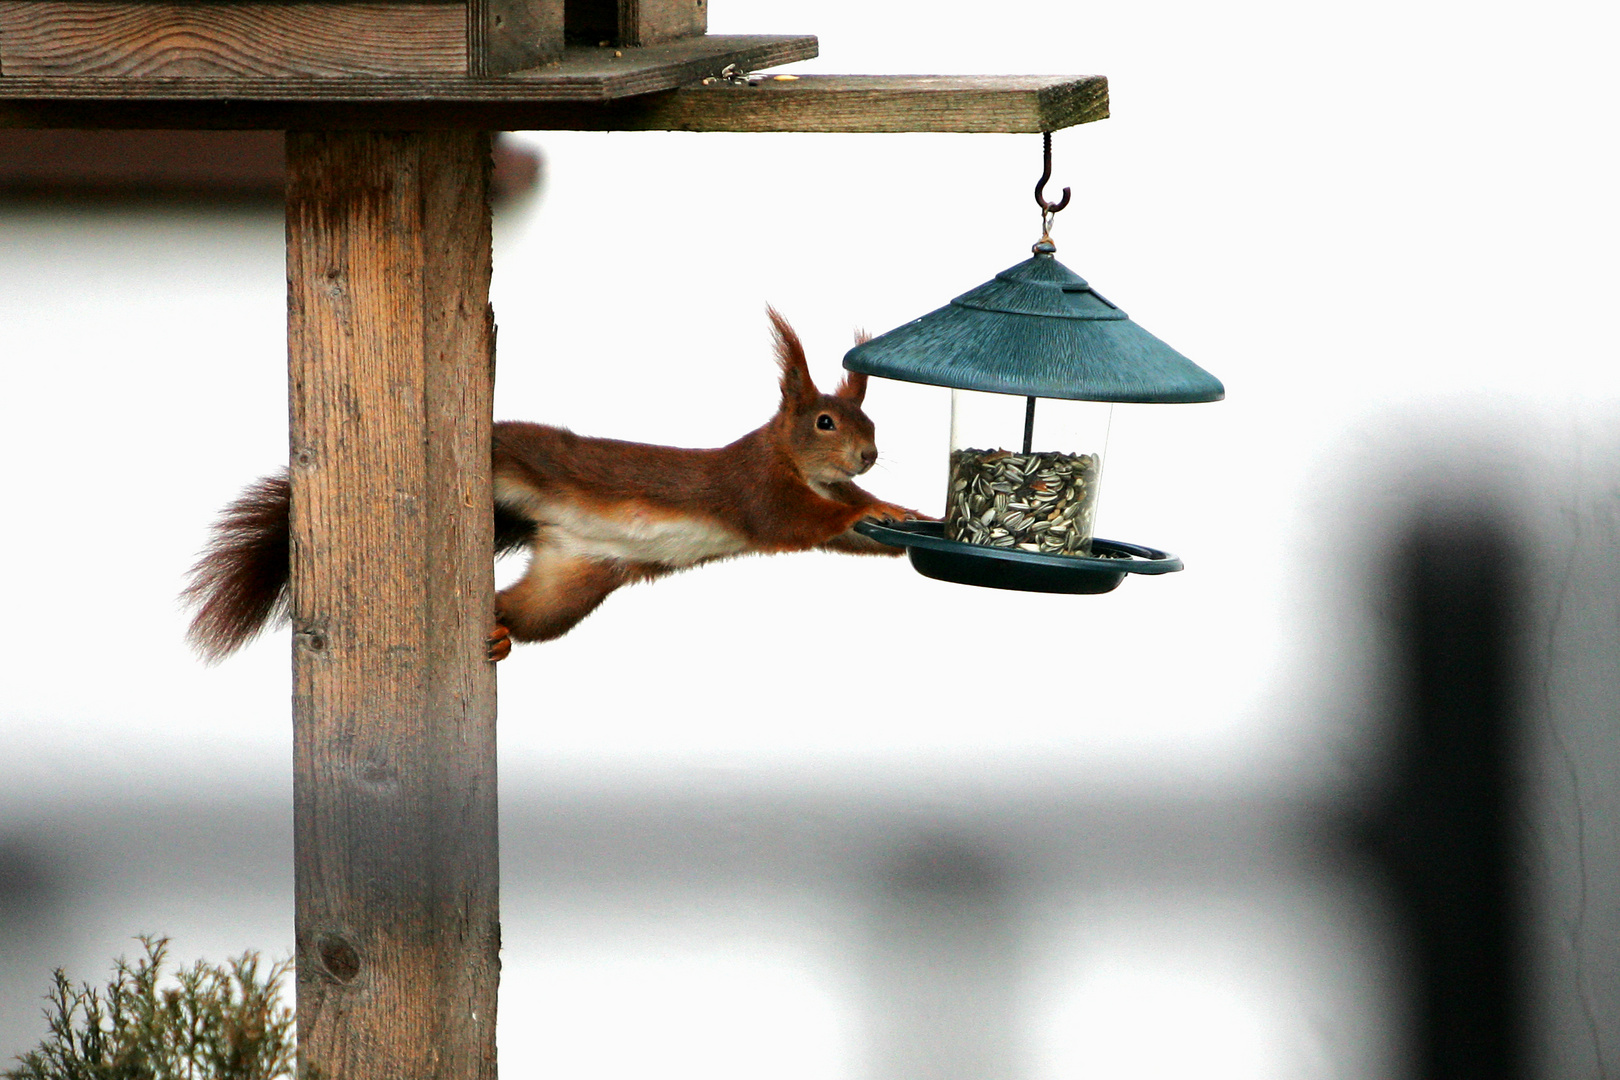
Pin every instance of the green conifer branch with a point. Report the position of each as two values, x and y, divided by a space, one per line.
204 1022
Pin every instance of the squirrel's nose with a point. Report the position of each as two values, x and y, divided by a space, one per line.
868 458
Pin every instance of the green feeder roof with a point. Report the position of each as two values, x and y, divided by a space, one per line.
1037 330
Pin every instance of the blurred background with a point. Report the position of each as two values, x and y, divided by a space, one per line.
1338 801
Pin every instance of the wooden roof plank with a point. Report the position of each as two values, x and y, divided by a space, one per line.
811 103
583 74
100 39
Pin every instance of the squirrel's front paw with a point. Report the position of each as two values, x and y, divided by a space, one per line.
889 513
500 643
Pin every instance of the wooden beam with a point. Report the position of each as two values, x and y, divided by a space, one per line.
251 40
856 103
970 103
390 357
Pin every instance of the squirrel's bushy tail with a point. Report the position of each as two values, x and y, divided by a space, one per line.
239 585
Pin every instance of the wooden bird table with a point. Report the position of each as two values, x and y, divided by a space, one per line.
389 106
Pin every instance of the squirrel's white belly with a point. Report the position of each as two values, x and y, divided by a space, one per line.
638 535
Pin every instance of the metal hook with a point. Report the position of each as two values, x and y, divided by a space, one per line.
1046 174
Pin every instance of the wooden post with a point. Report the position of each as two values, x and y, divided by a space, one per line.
390 355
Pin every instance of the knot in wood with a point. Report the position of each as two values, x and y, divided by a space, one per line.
313 641
379 774
340 961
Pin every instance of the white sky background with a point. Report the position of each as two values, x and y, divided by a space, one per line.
1359 218
1378 223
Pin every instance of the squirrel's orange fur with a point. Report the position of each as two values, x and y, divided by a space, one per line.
596 514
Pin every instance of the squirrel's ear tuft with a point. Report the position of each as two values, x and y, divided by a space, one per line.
853 387
797 386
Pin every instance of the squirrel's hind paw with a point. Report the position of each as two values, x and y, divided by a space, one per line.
500 643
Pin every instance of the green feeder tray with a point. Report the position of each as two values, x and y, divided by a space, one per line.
1024 571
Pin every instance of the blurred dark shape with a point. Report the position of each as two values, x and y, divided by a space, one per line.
943 965
1444 828
35 878
181 166
946 866
28 879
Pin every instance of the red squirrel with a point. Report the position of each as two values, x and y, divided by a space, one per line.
596 514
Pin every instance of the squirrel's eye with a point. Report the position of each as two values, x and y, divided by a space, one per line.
825 422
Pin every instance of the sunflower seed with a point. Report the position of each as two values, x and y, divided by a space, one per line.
1034 502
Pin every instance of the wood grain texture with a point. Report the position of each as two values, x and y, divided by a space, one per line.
504 36
861 103
648 22
242 40
987 103
390 357
584 74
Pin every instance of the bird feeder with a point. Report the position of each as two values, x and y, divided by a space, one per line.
1035 359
